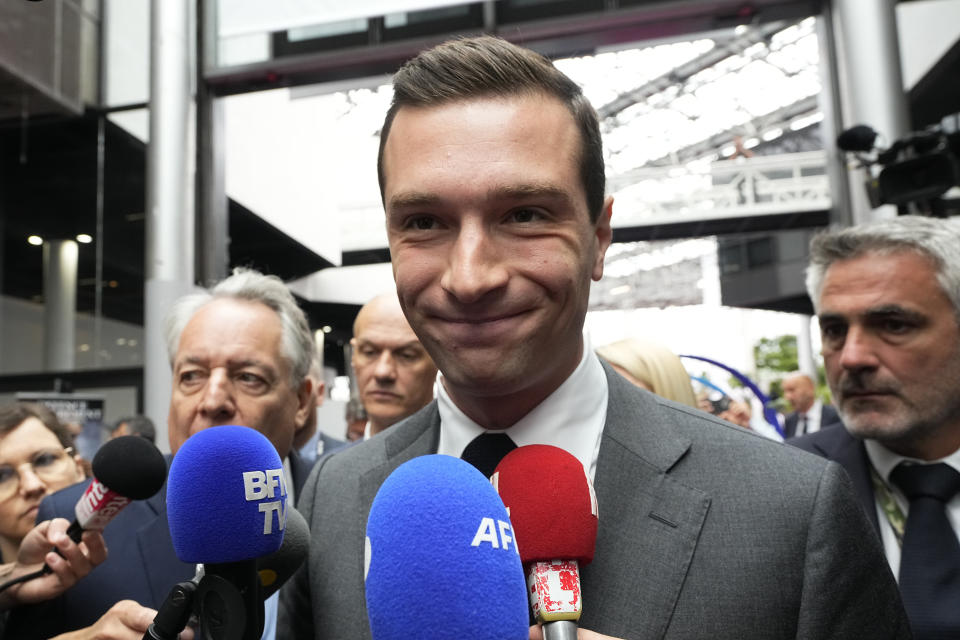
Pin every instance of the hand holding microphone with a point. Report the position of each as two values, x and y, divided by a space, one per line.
553 510
71 562
440 557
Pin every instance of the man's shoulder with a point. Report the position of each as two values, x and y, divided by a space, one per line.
357 458
828 416
712 444
826 441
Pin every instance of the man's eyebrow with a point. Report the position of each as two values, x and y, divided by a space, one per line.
412 199
530 190
877 313
886 311
245 362
190 360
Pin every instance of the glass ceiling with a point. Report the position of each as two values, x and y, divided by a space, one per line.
678 103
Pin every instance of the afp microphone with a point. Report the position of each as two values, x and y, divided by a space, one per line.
553 509
226 505
440 558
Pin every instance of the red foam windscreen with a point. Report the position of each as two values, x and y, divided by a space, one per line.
551 502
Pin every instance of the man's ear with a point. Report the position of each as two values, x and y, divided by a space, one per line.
303 401
604 235
321 391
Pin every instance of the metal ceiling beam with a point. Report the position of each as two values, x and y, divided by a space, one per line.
781 117
723 49
553 37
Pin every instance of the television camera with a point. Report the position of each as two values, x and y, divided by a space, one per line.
915 171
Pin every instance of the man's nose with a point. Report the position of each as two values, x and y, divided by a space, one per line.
385 368
859 350
218 399
474 265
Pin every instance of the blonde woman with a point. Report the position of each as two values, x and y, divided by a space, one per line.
652 366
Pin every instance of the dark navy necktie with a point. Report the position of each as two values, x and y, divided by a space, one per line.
487 450
930 555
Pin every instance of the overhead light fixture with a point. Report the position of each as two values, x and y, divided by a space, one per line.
327 329
84 238
35 240
772 134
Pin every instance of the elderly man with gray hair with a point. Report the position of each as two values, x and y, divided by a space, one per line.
888 298
240 354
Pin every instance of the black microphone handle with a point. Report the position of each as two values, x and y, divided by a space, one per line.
229 603
75 532
173 614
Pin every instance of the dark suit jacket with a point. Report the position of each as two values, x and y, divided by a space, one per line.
828 417
141 564
835 443
699 535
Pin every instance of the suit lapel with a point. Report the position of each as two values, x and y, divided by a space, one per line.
649 523
416 436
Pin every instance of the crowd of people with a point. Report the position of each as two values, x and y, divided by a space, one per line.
492 178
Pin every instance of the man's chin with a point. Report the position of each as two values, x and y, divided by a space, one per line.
874 425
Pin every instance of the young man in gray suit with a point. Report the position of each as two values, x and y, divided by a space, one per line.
888 298
492 177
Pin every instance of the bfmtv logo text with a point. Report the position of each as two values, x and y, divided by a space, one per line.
263 485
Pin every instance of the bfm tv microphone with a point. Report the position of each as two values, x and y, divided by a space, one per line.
226 505
553 509
440 557
274 571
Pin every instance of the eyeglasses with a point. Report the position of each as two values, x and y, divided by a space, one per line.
49 465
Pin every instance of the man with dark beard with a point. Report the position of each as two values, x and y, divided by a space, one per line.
888 299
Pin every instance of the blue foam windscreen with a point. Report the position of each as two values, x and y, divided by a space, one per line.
226 496
440 558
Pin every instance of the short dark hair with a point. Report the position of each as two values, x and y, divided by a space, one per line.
137 426
14 414
486 66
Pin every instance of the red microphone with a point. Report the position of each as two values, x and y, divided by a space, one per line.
553 511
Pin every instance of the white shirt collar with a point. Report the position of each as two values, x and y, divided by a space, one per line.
572 417
884 460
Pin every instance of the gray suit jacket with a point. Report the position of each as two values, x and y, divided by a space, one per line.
699 536
838 445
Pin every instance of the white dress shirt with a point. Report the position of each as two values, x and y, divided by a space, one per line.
884 461
572 417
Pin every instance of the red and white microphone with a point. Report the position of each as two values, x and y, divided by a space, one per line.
124 469
553 511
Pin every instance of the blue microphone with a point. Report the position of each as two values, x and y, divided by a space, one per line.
440 557
226 505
